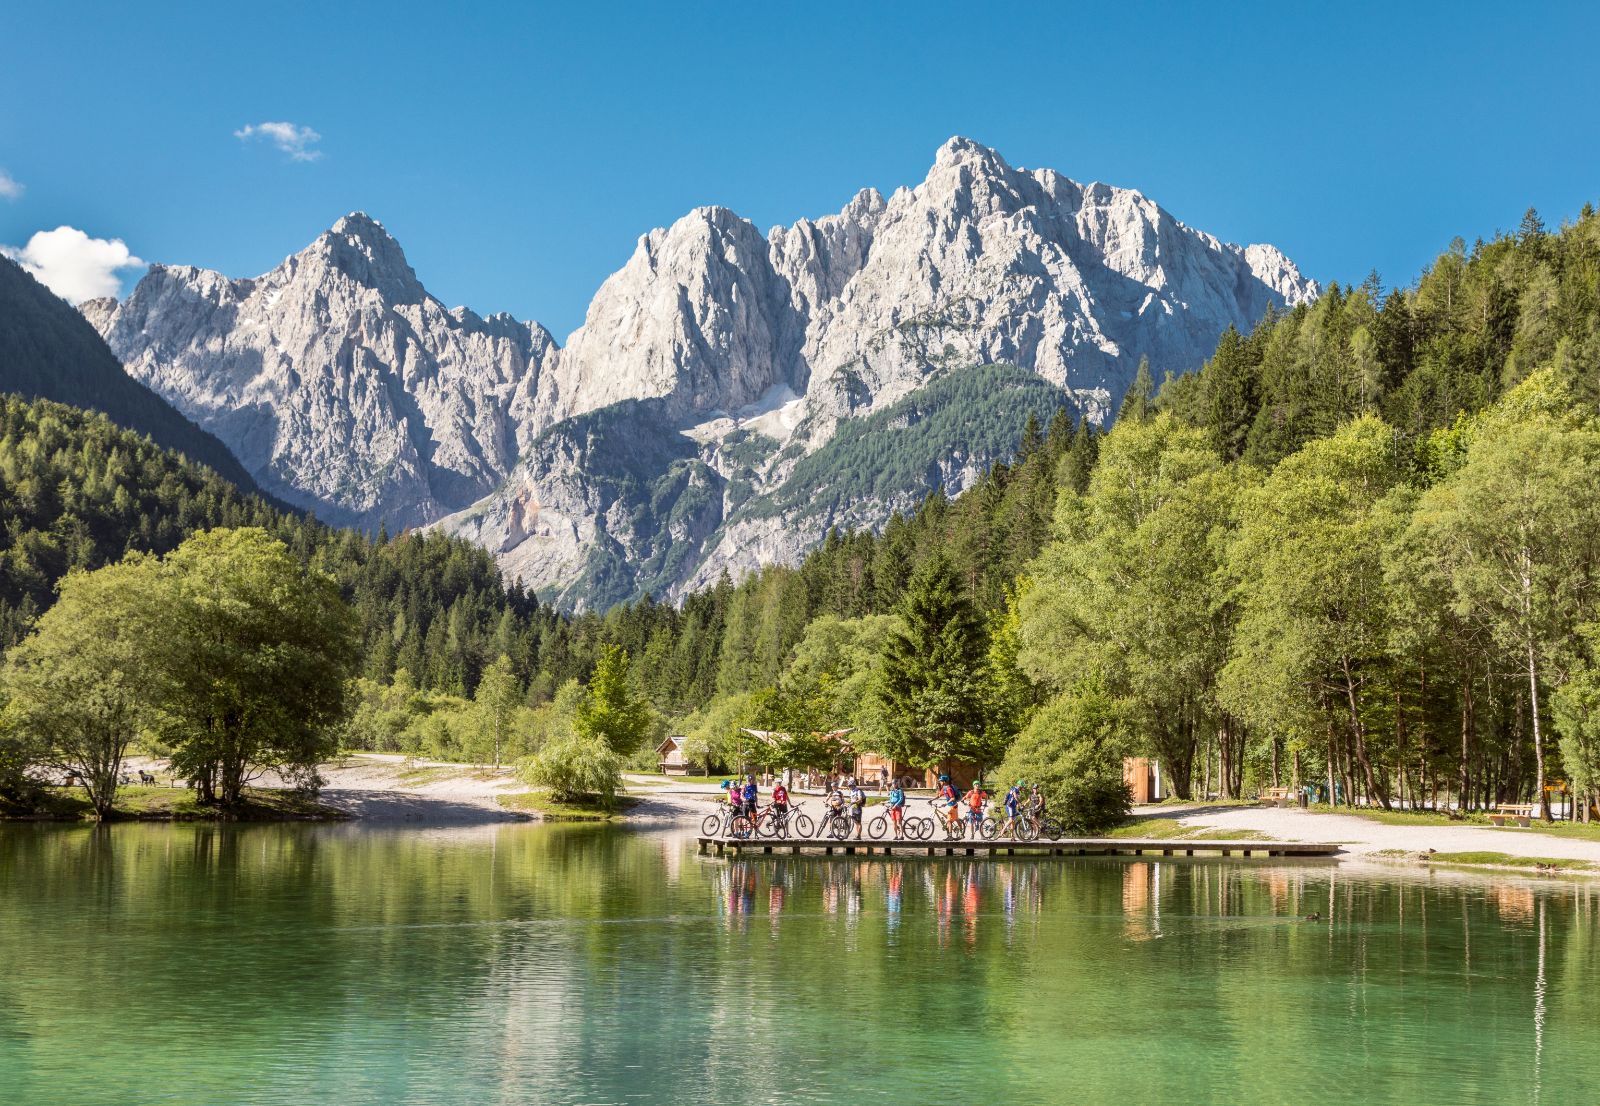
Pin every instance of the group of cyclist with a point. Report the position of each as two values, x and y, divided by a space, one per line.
1023 804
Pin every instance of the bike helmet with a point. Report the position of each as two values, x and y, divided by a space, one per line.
943 778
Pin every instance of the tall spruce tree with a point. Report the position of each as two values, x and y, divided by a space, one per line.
1139 400
931 695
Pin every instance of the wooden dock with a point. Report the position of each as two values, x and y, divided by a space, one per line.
1067 846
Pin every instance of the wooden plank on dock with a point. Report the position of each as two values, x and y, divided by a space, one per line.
1075 846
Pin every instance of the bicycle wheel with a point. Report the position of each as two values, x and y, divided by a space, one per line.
919 829
1051 830
838 826
768 825
878 827
804 827
741 827
1025 830
711 825
989 828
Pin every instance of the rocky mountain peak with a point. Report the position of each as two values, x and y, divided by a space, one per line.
958 150
362 249
335 378
693 422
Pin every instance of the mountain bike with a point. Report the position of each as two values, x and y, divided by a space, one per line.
1022 829
953 831
729 821
882 827
837 824
714 825
770 823
913 827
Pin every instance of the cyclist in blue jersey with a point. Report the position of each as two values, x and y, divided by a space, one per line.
897 809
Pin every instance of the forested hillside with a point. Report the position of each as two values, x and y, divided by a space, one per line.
49 351
1476 323
79 492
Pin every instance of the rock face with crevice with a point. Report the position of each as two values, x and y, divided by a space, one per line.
693 423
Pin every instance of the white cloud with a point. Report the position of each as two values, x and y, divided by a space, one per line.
10 187
73 265
288 138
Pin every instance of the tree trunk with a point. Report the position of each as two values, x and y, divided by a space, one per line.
1465 794
1538 745
1358 737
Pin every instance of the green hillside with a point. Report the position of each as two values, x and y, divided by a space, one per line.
965 417
49 351
77 491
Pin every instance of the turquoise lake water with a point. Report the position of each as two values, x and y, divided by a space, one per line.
547 964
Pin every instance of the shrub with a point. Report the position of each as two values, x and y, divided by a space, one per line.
574 765
1073 748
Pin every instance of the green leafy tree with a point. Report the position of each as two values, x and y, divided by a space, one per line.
1074 749
251 656
1576 706
1129 590
714 735
80 684
1517 530
574 766
1011 696
499 695
610 710
1311 650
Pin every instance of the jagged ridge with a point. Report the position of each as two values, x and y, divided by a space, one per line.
717 355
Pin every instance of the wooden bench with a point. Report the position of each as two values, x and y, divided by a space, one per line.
1520 813
1277 796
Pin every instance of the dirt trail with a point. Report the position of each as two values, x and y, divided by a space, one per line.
1361 836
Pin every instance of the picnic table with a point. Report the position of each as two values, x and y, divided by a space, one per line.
1520 813
1277 796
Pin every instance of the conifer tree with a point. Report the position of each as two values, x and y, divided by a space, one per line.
931 694
1139 399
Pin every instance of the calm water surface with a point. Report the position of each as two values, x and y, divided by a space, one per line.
528 964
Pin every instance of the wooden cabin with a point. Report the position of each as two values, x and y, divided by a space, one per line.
673 761
1143 777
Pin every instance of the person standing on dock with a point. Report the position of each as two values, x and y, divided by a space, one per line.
780 802
858 803
948 802
977 800
752 795
1013 804
897 809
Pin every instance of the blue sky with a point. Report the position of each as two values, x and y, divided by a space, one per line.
518 151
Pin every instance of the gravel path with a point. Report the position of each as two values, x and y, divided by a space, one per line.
1360 835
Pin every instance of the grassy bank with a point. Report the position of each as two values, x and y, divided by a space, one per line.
586 809
1490 859
169 804
1576 830
1170 829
